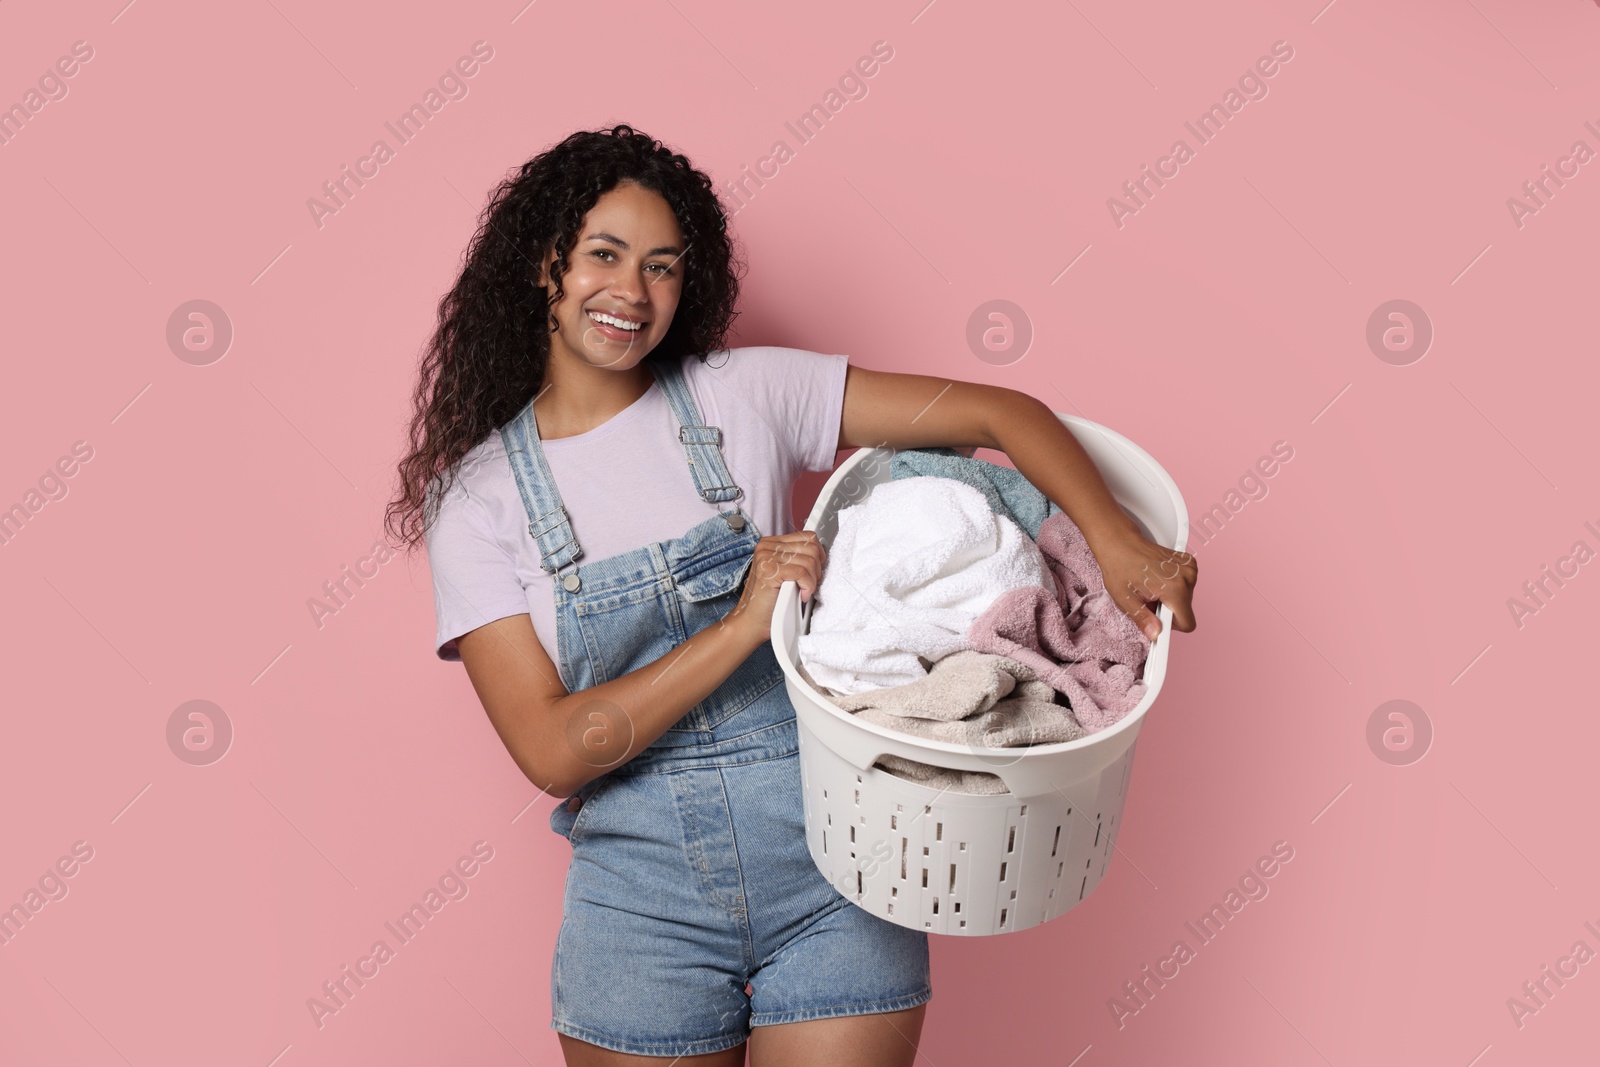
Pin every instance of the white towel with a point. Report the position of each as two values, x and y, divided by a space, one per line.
909 570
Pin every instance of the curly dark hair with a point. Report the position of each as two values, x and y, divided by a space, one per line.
487 357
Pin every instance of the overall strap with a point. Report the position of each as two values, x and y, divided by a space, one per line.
547 518
701 444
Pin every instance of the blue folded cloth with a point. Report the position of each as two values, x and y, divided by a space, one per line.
1008 492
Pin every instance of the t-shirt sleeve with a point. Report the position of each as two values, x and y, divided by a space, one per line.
800 395
474 577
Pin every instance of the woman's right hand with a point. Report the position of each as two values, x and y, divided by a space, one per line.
797 557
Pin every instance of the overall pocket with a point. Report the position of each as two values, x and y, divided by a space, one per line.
706 597
623 631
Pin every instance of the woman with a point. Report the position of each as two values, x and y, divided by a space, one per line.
603 488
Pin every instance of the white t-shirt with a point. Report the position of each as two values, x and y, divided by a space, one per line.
627 483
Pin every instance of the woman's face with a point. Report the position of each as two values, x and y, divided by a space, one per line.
628 263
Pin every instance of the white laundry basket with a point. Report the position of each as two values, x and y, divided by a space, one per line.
964 863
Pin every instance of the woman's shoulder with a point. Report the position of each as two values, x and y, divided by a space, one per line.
764 369
479 459
471 476
797 394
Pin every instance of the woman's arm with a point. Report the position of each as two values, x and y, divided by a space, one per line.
886 410
563 740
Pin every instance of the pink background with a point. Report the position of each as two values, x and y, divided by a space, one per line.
1228 314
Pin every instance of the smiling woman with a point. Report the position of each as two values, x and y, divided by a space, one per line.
603 489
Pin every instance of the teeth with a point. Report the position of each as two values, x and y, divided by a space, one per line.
611 320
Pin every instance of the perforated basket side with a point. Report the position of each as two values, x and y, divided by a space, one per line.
953 863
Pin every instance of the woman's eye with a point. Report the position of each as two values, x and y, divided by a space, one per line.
665 270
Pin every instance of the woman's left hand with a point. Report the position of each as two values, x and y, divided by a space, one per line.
1139 573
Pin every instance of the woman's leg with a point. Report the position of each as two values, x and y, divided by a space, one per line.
886 1039
582 1054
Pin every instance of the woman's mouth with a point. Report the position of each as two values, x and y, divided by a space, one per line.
611 326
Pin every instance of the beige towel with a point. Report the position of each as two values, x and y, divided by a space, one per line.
967 698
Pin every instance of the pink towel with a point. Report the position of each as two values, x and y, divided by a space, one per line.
1078 639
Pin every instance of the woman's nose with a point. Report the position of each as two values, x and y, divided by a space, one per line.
630 286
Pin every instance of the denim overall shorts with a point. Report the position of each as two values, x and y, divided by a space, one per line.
692 909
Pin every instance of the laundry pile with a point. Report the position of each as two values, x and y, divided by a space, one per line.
960 604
